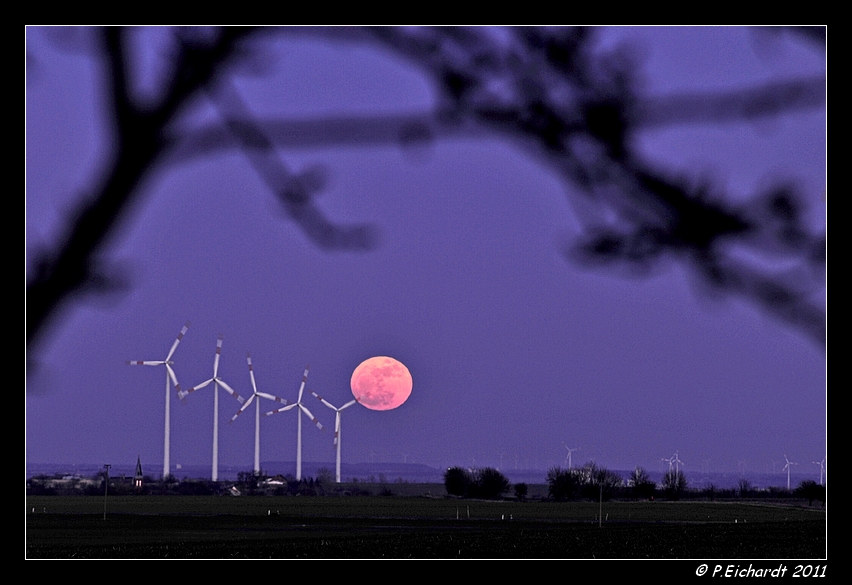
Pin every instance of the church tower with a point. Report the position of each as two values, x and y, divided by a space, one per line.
137 481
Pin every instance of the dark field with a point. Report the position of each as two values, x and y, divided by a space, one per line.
415 527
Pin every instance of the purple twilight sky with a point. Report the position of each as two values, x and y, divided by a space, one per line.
514 349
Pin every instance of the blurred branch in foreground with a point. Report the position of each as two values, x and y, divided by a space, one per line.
549 91
199 61
577 110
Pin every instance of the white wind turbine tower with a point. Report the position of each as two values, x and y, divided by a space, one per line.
336 430
787 467
170 378
217 381
255 394
675 460
302 407
568 456
821 469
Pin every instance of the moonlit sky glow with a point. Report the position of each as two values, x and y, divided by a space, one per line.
514 348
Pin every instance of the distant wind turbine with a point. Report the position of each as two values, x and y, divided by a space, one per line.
302 408
568 456
677 462
337 412
170 378
258 395
787 467
217 381
821 469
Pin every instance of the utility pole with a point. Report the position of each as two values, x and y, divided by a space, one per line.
106 486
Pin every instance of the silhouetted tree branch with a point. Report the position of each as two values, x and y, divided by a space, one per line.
578 110
72 267
547 90
293 191
425 127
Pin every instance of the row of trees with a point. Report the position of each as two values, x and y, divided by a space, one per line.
593 482
590 481
486 483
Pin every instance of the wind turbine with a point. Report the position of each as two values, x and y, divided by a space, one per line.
217 381
336 429
787 467
821 469
302 408
670 461
255 394
568 456
170 378
677 462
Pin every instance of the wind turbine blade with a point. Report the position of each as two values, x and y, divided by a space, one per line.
271 397
251 373
231 391
216 359
240 411
310 416
324 401
172 374
347 405
177 341
302 386
194 388
280 409
145 363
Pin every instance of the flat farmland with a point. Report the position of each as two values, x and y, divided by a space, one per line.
369 527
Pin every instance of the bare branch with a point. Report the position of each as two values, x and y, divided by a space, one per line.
546 90
67 271
293 192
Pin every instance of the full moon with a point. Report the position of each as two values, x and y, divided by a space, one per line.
381 383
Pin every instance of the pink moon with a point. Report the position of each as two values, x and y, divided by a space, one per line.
381 383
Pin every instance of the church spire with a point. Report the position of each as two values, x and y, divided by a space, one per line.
137 481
